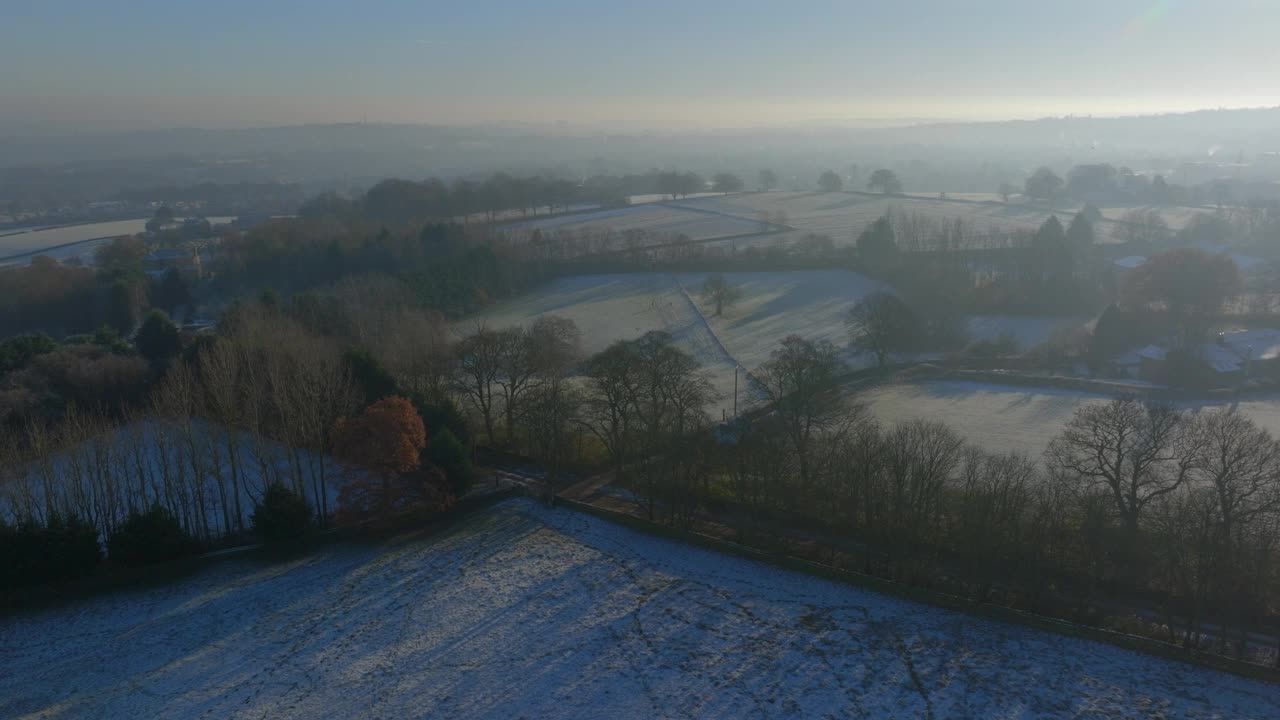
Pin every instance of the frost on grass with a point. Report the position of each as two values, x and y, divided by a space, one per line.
528 612
1016 418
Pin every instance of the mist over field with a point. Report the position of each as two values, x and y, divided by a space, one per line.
633 360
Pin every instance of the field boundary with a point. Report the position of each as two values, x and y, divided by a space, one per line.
929 597
755 384
111 579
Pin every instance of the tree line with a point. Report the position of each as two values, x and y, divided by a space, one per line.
281 407
1138 517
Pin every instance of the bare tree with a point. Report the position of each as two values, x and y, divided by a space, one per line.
556 345
801 380
717 290
1240 462
1135 451
478 366
613 384
920 458
517 373
881 323
768 179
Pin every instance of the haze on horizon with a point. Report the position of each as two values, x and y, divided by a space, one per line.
89 66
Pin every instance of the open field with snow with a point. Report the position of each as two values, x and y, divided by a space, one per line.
1014 418
662 219
35 241
608 308
844 215
528 612
809 303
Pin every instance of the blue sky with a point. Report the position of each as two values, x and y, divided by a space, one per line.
656 63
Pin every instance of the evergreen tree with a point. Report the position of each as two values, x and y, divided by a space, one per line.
158 340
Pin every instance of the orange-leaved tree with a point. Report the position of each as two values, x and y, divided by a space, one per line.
383 445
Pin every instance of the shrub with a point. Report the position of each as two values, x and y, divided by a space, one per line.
448 453
442 413
150 537
373 501
282 514
34 554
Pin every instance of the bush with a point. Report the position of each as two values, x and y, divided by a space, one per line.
448 453
32 554
150 537
282 514
442 413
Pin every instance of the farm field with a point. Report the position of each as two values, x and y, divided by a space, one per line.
840 215
1013 418
662 219
608 308
809 303
844 215
1027 331
522 611
24 243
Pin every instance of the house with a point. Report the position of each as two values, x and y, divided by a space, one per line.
1235 354
1145 362
1242 352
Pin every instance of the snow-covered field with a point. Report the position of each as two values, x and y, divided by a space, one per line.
39 239
664 220
1014 418
774 305
809 303
525 612
1027 331
844 215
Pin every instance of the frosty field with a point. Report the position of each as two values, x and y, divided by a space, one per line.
608 308
664 219
40 239
1014 418
841 215
844 215
809 303
529 612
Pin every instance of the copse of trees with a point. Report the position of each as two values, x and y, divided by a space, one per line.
1044 184
1188 283
496 370
398 201
828 181
886 181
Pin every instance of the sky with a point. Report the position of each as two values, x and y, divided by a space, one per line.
86 64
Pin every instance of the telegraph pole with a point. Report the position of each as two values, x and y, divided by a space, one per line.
735 392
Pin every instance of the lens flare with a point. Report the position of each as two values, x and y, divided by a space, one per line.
1150 16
